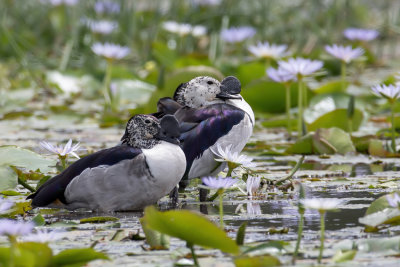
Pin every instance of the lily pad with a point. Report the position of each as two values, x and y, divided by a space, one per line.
99 219
257 261
386 216
323 141
267 96
330 110
180 224
8 178
77 257
23 158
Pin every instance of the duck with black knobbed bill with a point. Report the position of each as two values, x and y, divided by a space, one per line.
146 167
210 113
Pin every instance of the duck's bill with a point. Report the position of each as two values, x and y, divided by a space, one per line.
224 95
168 139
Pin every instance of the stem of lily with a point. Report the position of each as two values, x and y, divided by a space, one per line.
321 249
299 235
300 109
106 85
343 75
221 208
393 129
287 87
13 242
63 161
196 263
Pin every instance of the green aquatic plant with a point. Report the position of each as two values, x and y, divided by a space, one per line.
391 93
322 205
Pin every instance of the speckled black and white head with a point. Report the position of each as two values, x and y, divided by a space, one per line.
146 131
203 91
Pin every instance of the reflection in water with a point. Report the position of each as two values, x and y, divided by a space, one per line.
253 208
283 212
360 169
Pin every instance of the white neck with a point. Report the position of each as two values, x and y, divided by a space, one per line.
243 105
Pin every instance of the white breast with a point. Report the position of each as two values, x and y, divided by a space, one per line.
237 137
130 184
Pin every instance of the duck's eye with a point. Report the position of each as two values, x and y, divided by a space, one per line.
210 82
147 121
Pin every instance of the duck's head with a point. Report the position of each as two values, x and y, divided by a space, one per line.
146 131
203 91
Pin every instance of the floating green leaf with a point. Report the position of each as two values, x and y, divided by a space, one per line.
27 254
257 261
341 256
99 219
330 110
38 220
180 224
8 178
77 257
331 87
386 216
266 96
323 141
23 158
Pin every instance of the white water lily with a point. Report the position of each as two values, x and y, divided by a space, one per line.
184 29
321 204
60 150
267 50
43 236
15 228
252 185
280 75
110 51
102 26
237 34
344 53
229 156
360 34
220 182
391 92
300 66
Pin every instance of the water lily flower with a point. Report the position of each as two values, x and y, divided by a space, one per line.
321 204
206 2
390 92
199 30
60 150
268 51
62 2
393 200
237 34
110 51
102 26
356 34
252 185
280 75
5 205
183 29
218 183
110 7
300 66
43 236
344 53
234 159
15 228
